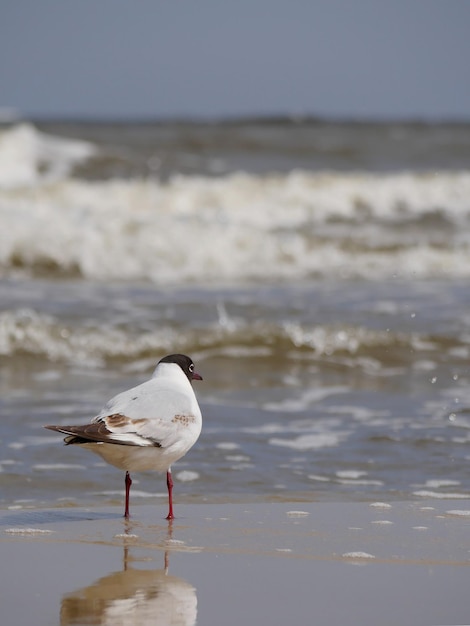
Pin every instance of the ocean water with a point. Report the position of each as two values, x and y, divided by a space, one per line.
318 274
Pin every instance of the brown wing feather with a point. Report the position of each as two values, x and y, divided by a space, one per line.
96 431
87 432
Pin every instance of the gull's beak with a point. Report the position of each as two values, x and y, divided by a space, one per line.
196 376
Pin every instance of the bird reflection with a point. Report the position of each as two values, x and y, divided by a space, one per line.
136 597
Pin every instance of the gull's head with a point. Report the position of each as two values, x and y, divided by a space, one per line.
184 362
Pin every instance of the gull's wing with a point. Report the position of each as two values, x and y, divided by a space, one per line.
151 414
152 400
118 428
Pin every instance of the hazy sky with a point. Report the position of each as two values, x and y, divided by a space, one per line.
152 58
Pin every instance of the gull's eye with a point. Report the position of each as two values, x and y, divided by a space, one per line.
191 367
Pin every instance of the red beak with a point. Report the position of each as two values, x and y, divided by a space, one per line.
196 376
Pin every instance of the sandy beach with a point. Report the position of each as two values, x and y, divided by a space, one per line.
326 563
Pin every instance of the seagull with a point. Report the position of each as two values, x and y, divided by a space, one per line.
148 427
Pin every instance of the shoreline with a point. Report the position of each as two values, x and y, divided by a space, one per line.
222 561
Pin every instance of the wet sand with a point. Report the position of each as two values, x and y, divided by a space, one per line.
318 563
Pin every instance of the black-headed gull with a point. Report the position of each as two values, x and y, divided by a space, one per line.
148 427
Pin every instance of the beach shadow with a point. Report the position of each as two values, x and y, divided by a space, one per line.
132 596
26 518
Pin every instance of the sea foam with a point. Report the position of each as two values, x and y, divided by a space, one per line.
28 156
237 227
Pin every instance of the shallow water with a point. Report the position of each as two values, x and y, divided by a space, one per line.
327 312
311 391
359 563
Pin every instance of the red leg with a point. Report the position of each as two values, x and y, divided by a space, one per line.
128 483
169 484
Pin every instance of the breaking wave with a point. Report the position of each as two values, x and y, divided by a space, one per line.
29 157
238 227
28 333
